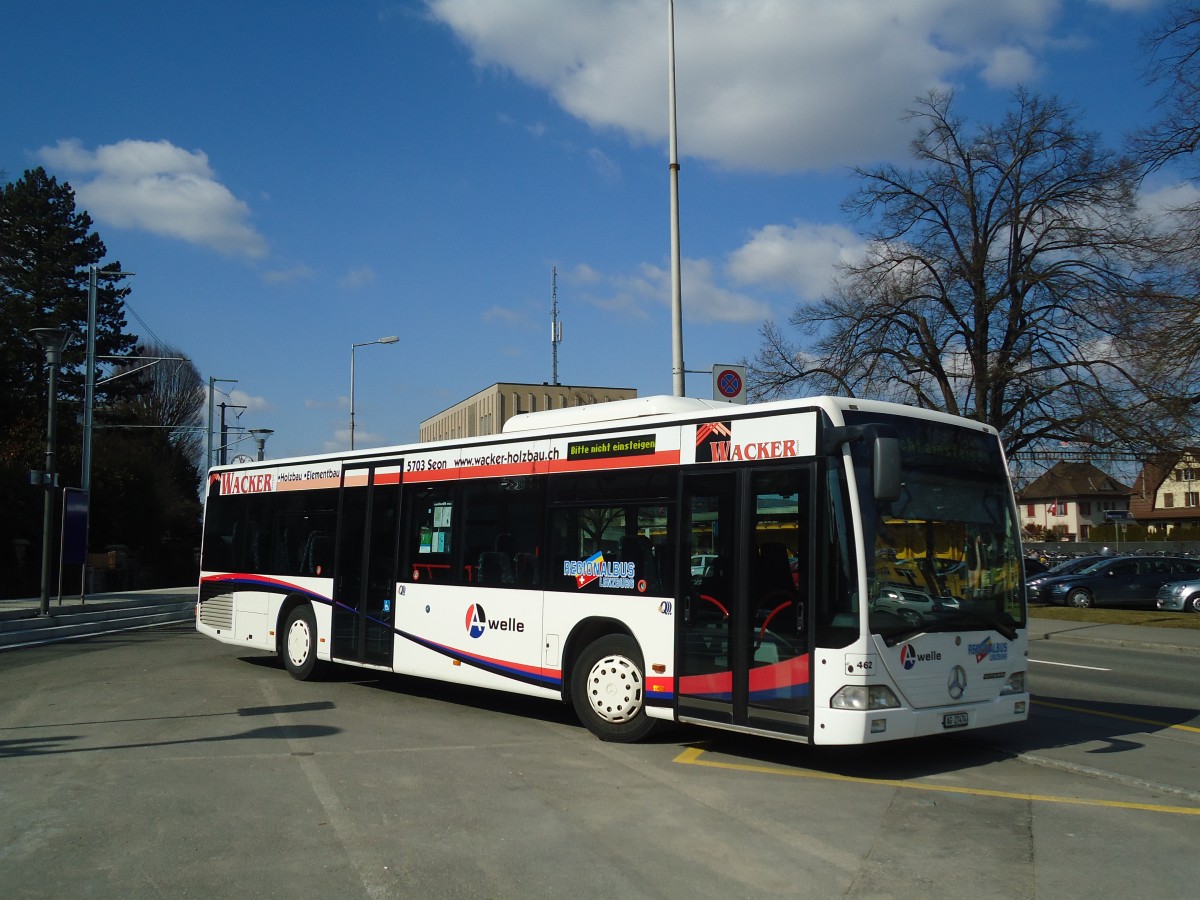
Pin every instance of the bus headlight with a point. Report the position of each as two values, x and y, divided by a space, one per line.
864 696
1014 685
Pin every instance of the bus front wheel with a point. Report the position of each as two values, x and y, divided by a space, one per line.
299 645
608 690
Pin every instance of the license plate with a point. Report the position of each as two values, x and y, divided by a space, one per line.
955 720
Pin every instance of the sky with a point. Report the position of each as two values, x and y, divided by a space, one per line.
289 179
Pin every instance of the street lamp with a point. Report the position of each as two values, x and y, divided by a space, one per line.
385 340
53 341
260 436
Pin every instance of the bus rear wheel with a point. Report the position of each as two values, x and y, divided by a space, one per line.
608 690
298 648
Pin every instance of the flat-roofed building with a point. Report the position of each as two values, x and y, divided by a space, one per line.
486 412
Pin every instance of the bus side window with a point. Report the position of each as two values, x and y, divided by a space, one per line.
428 548
220 533
502 525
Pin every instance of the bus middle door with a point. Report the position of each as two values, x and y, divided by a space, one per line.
744 638
365 565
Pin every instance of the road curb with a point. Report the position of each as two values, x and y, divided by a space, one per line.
1162 646
24 628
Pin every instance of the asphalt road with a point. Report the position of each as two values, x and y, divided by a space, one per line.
1129 714
162 764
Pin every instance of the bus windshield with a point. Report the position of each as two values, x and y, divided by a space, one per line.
944 556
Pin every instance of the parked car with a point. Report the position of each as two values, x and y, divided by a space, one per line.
1119 581
1180 595
912 605
1033 583
700 564
1035 567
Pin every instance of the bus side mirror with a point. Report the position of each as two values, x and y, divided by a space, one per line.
885 455
885 468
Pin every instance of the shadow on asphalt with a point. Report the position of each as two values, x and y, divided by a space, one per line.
1055 722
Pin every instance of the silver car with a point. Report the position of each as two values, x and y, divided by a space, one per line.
1180 596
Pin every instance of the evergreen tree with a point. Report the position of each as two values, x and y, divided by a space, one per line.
46 249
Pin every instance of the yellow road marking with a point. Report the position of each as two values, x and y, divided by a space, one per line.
1110 715
694 756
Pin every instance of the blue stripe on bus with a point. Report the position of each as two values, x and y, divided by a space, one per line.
263 583
486 664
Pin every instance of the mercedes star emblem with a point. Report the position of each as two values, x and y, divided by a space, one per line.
957 685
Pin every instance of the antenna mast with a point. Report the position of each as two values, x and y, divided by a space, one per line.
555 325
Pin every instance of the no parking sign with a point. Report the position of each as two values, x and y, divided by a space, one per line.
729 383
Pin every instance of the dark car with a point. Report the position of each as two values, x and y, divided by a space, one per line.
1034 582
1118 581
1034 566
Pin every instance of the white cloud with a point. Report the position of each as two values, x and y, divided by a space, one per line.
775 85
1162 201
604 166
705 299
160 188
802 258
250 401
1009 67
360 277
505 315
1128 5
296 273
584 274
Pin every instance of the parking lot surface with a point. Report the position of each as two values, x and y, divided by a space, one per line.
162 764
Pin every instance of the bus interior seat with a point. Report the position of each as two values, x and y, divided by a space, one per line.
318 555
495 568
524 568
635 548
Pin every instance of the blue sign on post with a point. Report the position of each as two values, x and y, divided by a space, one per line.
74 527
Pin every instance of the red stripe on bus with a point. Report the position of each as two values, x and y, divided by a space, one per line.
543 467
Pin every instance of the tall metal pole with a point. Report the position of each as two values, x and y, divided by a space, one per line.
555 327
391 339
52 359
677 375
208 458
352 348
208 433
53 341
89 385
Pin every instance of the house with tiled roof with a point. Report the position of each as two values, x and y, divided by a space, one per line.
1071 499
1166 495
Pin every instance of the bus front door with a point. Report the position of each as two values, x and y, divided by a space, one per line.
744 634
364 581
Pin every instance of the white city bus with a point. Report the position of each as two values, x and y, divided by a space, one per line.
860 576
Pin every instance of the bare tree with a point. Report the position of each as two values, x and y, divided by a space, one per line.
997 284
1174 52
1171 141
164 392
